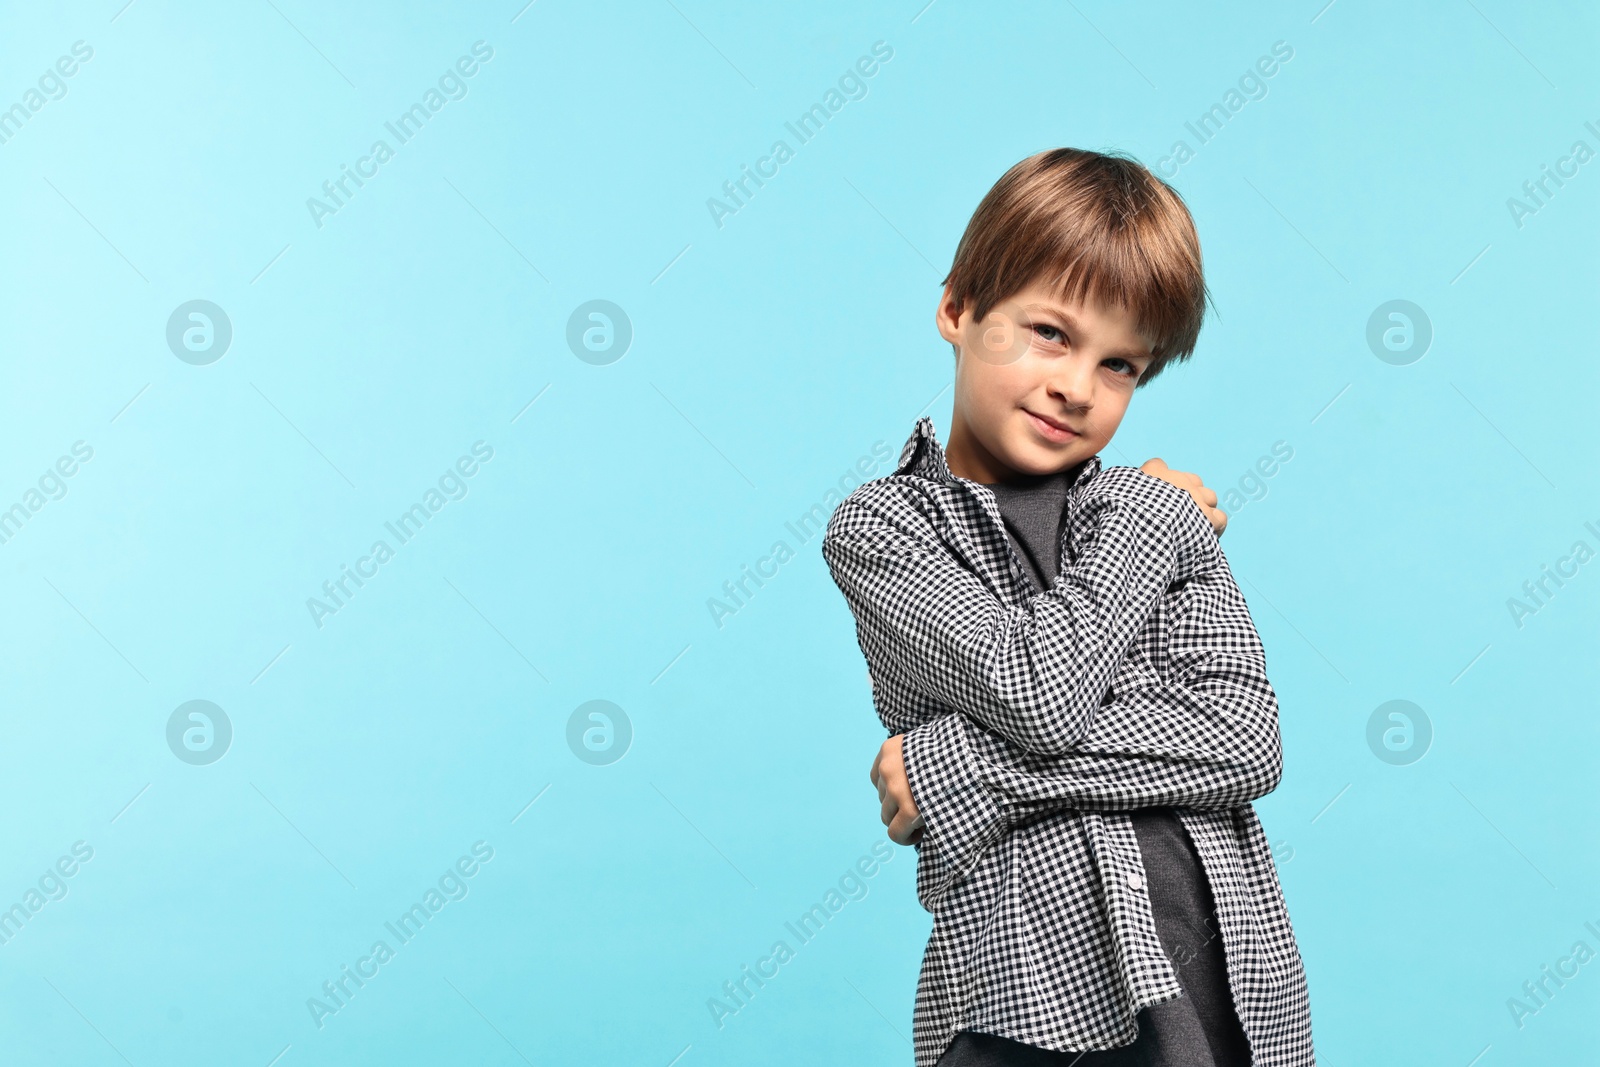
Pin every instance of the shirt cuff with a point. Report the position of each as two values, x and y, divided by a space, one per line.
961 816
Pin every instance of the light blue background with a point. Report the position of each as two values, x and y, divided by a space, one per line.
769 355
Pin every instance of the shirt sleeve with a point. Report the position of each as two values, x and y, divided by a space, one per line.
1035 672
1206 739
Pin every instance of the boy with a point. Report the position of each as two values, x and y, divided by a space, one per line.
1076 691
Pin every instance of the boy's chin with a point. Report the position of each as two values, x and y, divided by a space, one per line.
1042 459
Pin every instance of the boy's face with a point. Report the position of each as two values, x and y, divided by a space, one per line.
1033 365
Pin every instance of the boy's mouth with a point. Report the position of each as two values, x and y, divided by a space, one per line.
1050 429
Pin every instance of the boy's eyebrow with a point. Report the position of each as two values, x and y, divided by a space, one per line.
1071 321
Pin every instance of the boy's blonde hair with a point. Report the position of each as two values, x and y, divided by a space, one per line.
1092 226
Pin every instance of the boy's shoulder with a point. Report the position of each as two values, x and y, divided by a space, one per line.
895 488
898 500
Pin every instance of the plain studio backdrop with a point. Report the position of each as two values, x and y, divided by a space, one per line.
417 425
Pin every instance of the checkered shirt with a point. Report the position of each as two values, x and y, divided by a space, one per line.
1034 722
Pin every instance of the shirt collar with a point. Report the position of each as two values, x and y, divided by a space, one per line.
924 457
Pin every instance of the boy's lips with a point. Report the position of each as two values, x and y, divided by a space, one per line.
1052 429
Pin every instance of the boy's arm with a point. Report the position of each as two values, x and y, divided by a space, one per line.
1208 739
1035 673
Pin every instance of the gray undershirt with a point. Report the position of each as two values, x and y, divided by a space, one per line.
1199 1029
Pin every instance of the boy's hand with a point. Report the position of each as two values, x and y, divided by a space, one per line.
894 792
1206 498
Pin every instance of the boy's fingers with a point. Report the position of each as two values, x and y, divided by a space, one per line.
900 830
907 830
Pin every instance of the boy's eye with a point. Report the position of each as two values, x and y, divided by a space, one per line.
1054 335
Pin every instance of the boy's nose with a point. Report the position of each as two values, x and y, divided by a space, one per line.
1072 381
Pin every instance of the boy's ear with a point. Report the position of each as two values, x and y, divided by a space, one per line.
947 318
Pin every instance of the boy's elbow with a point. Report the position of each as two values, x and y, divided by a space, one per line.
1266 768
1267 774
1259 739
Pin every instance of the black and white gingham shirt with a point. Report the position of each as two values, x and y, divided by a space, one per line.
1034 722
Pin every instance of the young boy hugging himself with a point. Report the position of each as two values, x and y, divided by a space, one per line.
1076 692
